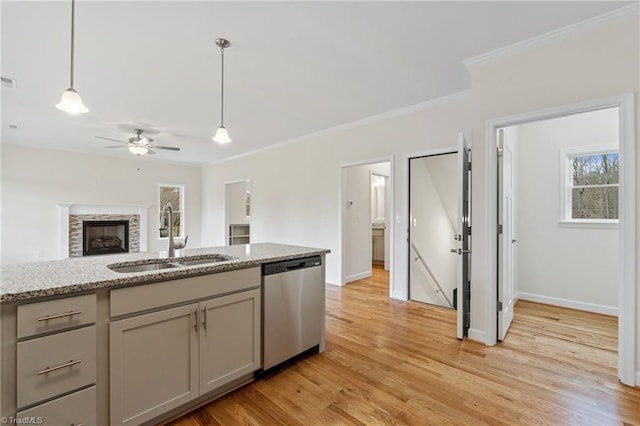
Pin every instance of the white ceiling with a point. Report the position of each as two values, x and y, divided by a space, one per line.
294 68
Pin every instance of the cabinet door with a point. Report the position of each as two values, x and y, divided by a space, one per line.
378 249
229 338
154 364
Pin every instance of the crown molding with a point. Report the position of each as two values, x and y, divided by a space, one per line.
585 26
353 124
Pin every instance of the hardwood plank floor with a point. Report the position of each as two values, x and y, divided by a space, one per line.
394 363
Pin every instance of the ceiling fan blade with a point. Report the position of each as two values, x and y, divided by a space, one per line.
109 139
168 148
117 146
151 152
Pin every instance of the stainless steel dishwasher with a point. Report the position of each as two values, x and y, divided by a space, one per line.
292 309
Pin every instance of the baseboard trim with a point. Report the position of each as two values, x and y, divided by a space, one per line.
356 277
477 335
565 303
334 284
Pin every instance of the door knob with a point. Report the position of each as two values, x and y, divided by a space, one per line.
460 251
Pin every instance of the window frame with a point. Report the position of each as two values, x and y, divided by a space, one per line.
181 210
566 185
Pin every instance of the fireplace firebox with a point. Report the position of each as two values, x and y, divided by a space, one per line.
105 236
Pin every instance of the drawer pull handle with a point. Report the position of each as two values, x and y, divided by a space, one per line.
58 367
68 314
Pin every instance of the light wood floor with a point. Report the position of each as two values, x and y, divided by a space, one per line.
392 362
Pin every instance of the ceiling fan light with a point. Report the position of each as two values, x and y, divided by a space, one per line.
138 150
71 102
222 136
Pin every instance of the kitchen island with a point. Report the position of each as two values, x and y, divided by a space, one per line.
87 341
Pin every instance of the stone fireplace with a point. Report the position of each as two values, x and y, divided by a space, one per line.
105 236
88 229
103 227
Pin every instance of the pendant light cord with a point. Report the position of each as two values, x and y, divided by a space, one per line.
73 13
222 90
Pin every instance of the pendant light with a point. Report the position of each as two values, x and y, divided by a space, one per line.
71 101
222 136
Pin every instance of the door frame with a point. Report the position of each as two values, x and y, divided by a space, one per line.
627 231
404 290
247 180
342 222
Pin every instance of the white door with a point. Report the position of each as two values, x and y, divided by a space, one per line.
462 236
433 211
506 238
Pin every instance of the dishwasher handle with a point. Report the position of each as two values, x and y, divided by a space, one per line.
290 265
298 265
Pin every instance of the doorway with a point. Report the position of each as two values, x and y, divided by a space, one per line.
432 225
568 214
237 212
432 178
366 221
576 167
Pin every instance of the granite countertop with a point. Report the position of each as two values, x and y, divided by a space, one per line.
41 279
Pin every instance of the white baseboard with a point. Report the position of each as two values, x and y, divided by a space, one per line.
565 303
477 335
356 277
334 284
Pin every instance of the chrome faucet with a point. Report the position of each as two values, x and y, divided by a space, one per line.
171 251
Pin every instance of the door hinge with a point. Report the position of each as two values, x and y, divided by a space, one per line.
499 152
499 229
499 306
469 166
468 230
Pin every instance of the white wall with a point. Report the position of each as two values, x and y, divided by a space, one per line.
431 231
36 180
577 264
596 62
298 202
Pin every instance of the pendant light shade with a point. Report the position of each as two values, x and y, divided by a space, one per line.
222 136
71 101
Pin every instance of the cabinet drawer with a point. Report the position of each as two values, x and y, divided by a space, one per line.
51 365
75 409
53 315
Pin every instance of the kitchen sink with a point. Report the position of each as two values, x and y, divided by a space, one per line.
158 265
143 268
214 258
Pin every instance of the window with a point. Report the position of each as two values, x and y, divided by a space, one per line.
173 194
591 184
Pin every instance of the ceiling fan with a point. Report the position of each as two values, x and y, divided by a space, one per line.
139 145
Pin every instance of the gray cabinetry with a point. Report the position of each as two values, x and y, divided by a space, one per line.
161 360
78 408
154 364
377 244
55 361
229 338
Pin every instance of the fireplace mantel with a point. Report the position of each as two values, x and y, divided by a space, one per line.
67 209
